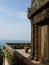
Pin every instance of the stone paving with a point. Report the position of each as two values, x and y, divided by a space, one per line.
26 55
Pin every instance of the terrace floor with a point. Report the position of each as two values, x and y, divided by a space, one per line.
27 55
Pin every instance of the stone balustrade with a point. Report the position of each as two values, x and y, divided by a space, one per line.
38 14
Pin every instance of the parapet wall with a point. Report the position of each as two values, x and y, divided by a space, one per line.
14 57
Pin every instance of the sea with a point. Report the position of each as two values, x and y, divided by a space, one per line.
2 42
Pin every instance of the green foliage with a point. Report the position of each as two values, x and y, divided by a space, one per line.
21 46
15 47
10 57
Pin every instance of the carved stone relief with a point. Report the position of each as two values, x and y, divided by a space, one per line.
36 4
42 16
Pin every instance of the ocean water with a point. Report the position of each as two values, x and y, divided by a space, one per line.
2 42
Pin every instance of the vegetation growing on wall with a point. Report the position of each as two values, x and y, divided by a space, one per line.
11 59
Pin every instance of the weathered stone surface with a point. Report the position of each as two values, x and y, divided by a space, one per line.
35 5
32 40
41 16
36 43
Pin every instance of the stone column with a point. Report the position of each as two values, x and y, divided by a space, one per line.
36 43
45 58
32 40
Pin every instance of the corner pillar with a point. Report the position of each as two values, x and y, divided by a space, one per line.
36 43
45 59
32 40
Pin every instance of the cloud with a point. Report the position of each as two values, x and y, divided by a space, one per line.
16 14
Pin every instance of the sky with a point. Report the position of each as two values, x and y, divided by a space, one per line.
14 24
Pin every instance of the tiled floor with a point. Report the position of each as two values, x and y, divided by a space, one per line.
22 52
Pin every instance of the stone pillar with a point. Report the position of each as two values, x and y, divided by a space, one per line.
32 40
39 42
45 59
36 43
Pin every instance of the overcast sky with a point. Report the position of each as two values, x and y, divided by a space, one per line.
14 24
